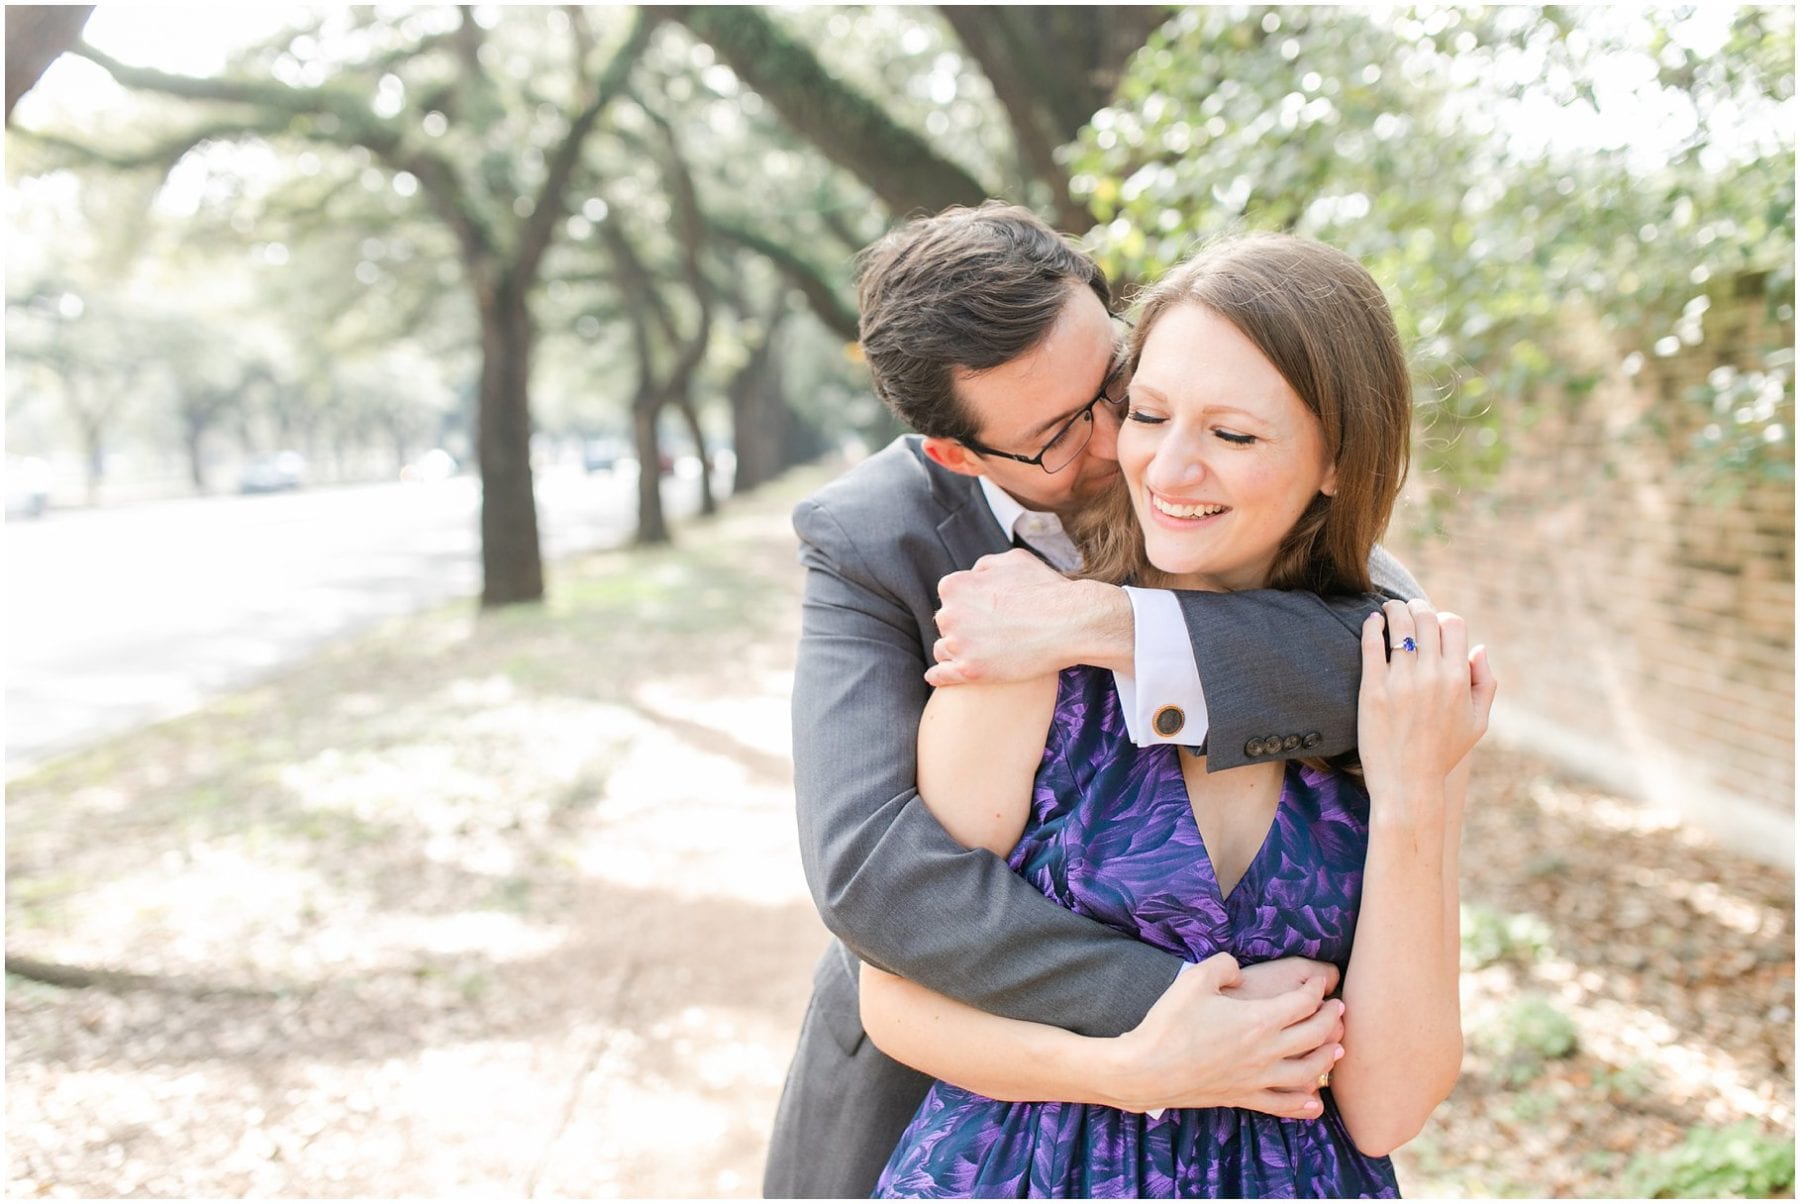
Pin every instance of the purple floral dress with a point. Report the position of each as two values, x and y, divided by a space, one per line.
1111 835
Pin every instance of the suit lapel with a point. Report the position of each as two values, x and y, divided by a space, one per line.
968 529
971 531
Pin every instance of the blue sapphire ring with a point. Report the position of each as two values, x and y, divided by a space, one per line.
1409 645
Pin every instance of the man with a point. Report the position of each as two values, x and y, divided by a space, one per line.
991 336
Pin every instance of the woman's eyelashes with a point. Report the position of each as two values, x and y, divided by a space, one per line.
1235 438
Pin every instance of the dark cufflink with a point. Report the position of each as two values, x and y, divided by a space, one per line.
1289 743
1169 720
1311 740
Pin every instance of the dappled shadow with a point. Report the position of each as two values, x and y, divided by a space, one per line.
647 955
766 766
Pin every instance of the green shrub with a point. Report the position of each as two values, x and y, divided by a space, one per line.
1531 1032
1490 935
1738 1162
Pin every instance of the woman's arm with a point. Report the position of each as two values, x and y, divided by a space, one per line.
1220 1037
1003 1059
979 752
1419 714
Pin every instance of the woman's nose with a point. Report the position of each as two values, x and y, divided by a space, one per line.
1177 465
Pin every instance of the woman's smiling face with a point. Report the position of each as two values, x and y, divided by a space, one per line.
1222 457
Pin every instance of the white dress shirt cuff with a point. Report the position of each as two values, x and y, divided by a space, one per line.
1162 698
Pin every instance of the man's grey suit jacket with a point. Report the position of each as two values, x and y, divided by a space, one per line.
890 883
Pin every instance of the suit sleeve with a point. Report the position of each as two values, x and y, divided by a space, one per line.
1281 663
887 879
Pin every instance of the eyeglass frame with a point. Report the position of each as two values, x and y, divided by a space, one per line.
1113 377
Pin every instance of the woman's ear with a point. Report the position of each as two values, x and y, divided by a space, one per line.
1328 486
948 453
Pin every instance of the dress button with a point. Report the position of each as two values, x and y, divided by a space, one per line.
1311 740
1253 747
1290 743
1169 721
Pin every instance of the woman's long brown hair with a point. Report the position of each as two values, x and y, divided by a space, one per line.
1321 319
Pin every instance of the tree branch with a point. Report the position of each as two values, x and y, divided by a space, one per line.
690 234
637 295
813 282
852 130
443 189
552 202
163 155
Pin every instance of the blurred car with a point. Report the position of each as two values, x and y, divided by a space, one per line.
273 473
603 455
27 487
434 465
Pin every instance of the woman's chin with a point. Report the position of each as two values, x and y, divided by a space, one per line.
1189 572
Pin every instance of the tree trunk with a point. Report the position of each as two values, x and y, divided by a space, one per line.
512 567
758 411
90 424
193 434
95 458
653 527
35 35
691 417
1052 67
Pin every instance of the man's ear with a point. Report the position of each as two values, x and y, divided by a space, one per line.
948 453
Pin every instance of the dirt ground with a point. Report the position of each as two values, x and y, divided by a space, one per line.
512 906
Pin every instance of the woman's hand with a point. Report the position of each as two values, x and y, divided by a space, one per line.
1425 703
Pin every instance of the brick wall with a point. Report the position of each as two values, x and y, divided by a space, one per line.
1643 636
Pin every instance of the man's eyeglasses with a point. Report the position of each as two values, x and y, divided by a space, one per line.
1070 438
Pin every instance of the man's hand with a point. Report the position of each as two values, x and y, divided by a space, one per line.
1266 980
1200 1047
1012 617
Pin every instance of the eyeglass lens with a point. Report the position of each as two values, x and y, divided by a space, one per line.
1062 450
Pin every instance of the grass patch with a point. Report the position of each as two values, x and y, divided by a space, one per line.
1490 935
1739 1162
1528 1035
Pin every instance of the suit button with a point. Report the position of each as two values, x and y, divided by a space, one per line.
1311 740
1169 720
1290 743
1253 747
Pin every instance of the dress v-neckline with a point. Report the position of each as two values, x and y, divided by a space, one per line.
1250 867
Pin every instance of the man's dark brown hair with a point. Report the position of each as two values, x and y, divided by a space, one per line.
968 288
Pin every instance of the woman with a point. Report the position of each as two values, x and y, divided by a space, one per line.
1263 444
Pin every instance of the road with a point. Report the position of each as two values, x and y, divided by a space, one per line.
125 616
